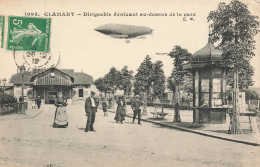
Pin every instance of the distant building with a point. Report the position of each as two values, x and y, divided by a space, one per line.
75 86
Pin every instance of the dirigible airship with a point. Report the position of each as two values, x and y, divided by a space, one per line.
123 31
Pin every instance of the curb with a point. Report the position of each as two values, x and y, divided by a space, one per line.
33 116
196 132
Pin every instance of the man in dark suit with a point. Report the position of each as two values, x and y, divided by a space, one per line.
91 105
136 104
38 101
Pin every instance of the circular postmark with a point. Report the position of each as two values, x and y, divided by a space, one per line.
34 60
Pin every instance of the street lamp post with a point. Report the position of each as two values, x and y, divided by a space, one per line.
4 82
22 70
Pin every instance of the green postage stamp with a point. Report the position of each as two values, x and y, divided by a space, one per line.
2 30
28 34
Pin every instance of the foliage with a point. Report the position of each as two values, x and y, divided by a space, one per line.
251 95
234 28
179 76
149 76
99 84
144 76
170 81
102 85
158 78
5 98
185 85
125 80
245 73
112 79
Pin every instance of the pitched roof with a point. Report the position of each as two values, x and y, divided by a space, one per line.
70 72
82 79
71 75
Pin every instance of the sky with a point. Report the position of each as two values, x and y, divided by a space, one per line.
83 49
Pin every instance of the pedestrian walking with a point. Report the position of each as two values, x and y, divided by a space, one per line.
91 105
104 106
21 100
136 104
61 116
34 104
38 101
120 110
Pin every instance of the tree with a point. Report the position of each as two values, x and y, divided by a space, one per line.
158 79
251 95
125 81
170 81
144 79
112 79
102 85
245 74
99 83
186 84
180 56
234 28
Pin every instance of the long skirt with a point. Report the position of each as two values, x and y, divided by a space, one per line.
61 118
120 114
104 109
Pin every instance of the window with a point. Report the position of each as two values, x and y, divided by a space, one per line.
205 92
216 95
81 93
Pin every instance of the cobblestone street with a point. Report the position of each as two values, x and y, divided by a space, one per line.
32 141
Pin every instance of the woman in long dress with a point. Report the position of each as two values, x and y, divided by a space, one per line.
120 110
61 116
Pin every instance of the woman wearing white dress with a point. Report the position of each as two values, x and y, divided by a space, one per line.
61 116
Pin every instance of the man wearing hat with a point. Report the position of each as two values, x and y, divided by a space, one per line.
91 105
136 104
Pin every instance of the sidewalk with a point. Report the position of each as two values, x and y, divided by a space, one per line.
29 113
219 131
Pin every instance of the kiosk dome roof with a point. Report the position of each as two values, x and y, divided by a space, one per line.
208 53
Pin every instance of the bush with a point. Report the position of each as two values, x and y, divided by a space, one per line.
5 98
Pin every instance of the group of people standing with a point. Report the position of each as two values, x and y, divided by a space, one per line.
91 105
121 109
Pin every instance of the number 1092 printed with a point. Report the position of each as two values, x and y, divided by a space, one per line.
28 34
